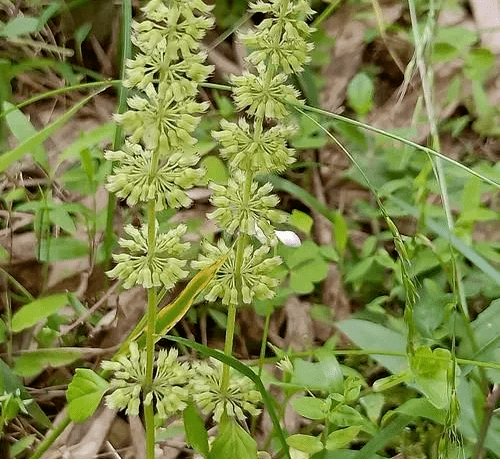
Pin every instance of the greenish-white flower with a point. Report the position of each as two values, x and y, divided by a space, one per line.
150 266
138 180
172 28
255 277
183 76
160 121
254 216
128 382
265 94
239 397
254 149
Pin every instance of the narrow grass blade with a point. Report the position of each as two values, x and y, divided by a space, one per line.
31 143
173 312
244 370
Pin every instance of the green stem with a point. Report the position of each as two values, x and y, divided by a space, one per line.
263 344
231 314
45 444
150 340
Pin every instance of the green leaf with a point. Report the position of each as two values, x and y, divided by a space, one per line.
29 144
62 248
340 231
84 394
20 445
344 415
233 442
373 404
301 221
34 362
3 332
360 92
62 218
430 368
342 437
10 383
19 26
478 62
305 443
33 312
22 129
244 370
371 336
196 433
324 375
310 407
216 169
422 407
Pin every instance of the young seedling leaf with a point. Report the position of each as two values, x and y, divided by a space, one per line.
84 394
310 407
196 432
37 310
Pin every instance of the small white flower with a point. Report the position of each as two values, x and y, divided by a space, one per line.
289 238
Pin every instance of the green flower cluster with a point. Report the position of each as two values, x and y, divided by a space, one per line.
169 391
174 383
150 266
158 161
256 146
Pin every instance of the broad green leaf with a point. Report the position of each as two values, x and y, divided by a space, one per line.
21 127
9 383
360 92
310 407
373 404
168 317
84 394
62 248
316 375
19 26
342 437
196 433
360 270
372 336
422 407
34 362
32 142
33 312
430 368
233 442
340 231
306 443
244 370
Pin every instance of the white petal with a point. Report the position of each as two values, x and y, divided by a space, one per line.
288 238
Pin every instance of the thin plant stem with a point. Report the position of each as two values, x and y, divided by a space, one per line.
46 443
263 344
150 340
231 314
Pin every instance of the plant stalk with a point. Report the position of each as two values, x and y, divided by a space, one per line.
150 341
489 407
231 313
